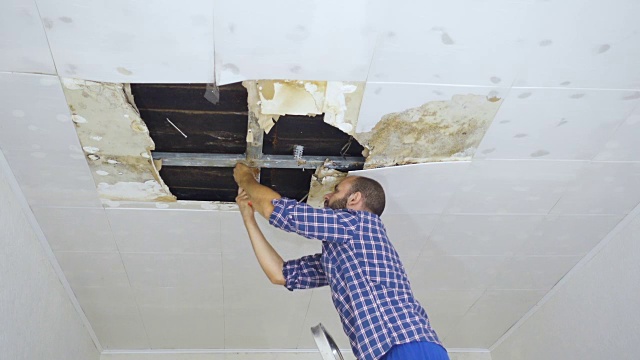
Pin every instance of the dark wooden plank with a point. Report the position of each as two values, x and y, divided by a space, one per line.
290 183
317 137
200 183
188 97
198 177
206 132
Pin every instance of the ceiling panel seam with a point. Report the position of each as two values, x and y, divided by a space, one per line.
46 36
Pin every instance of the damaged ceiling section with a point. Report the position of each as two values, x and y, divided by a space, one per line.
116 141
302 134
436 131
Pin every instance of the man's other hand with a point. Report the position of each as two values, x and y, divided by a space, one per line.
244 204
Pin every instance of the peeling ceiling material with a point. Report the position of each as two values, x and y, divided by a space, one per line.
115 140
338 101
435 131
323 182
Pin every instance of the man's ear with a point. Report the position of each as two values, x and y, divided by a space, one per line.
355 198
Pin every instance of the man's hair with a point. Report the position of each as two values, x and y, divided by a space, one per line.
372 192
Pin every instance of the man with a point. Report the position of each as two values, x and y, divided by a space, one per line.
369 286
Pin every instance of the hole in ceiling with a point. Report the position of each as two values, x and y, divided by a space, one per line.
181 120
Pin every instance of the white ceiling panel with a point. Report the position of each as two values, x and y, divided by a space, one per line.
513 187
241 269
183 297
76 229
455 272
130 41
533 272
446 307
165 231
34 115
598 49
259 318
491 316
602 188
409 234
320 40
114 316
235 239
182 318
54 178
23 44
384 98
321 310
102 269
563 124
437 183
480 234
623 145
568 234
173 270
179 327
436 42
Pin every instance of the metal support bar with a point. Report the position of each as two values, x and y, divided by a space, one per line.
266 161
255 136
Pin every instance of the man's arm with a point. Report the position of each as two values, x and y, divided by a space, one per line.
268 257
260 195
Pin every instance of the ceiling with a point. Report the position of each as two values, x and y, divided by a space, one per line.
483 240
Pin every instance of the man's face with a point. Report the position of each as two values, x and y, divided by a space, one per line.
338 198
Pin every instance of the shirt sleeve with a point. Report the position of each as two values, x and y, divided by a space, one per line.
322 224
304 273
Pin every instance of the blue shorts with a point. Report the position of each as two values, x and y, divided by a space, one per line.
422 350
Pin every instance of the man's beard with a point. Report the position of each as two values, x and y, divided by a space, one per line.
337 204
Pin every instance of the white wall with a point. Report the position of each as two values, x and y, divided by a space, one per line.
37 319
595 314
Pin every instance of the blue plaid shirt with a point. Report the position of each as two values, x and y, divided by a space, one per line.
369 285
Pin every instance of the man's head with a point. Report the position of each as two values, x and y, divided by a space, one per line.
357 193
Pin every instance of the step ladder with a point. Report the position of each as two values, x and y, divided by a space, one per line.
327 346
